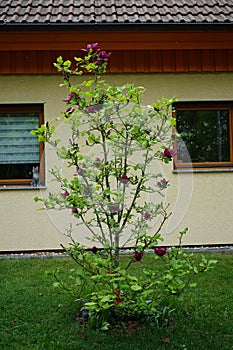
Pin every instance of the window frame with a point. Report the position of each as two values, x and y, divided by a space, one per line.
26 108
205 105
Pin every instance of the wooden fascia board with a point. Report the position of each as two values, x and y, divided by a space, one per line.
126 40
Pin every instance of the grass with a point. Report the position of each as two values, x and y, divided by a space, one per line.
34 315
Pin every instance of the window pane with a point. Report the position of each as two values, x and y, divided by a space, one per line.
17 145
17 171
20 151
204 135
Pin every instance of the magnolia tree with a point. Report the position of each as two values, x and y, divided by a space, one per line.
114 192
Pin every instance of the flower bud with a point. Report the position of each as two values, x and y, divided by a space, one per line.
74 210
160 251
137 255
69 110
94 249
65 194
124 179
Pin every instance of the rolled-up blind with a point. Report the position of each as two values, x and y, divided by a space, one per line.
17 145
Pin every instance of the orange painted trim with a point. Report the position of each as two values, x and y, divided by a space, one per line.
125 61
116 40
132 51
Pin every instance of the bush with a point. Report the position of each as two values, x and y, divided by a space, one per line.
110 194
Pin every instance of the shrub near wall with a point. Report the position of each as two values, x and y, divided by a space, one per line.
116 194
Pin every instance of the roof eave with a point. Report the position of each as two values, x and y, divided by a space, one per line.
136 26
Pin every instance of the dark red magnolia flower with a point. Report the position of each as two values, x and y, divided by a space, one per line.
69 110
137 255
160 251
169 153
94 249
124 179
74 210
103 56
103 97
119 300
65 194
93 46
69 97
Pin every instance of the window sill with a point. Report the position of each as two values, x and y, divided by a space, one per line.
203 170
14 187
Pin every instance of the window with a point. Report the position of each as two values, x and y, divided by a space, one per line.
205 136
20 151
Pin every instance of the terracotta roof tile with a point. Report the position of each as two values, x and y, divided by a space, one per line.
116 11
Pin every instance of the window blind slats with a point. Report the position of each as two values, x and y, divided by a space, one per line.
17 145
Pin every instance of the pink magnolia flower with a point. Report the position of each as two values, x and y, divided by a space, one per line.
93 108
124 179
162 183
169 153
94 47
146 214
65 194
160 251
69 97
103 56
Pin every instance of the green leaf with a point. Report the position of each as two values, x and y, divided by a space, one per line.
105 326
91 306
49 272
67 63
193 284
78 281
136 288
89 83
56 284
60 60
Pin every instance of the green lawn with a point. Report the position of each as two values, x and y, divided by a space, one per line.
35 315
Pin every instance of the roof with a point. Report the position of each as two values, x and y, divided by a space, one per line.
21 12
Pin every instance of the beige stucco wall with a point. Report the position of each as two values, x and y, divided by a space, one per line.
203 201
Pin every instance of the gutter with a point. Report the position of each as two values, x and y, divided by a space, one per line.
126 26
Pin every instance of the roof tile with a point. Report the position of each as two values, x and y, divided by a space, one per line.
112 11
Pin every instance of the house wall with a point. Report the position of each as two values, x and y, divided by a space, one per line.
200 201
